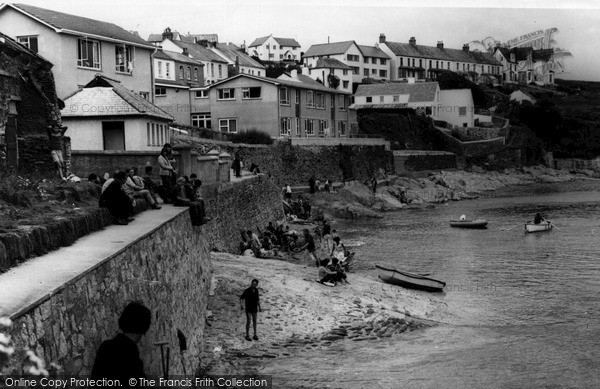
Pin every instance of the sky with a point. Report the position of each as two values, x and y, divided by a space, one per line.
319 21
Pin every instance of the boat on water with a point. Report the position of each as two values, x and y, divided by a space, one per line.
478 223
410 280
532 227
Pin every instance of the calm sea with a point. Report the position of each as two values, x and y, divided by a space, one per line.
519 310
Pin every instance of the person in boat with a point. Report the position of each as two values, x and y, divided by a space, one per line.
463 218
326 276
538 218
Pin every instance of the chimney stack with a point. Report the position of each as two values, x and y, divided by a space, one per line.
167 34
382 38
294 73
466 47
185 52
412 41
440 45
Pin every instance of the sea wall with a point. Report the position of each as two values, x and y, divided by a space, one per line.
169 269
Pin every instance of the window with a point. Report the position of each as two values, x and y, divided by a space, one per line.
342 102
167 70
113 135
342 128
145 95
189 73
374 61
286 127
181 75
220 71
448 67
160 91
373 71
196 74
366 60
396 98
201 120
319 100
310 99
212 69
297 126
226 94
284 96
381 99
382 61
369 99
420 63
274 47
345 72
413 62
401 61
322 127
462 111
251 92
355 70
280 56
159 71
383 73
228 125
31 42
429 64
297 96
366 72
437 64
268 47
308 126
352 58
124 59
202 94
346 84
88 53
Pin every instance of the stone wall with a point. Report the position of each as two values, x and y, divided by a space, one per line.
252 202
168 269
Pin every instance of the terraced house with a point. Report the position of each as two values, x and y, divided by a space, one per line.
294 105
419 62
79 48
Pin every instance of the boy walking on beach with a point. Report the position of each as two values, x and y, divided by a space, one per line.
252 305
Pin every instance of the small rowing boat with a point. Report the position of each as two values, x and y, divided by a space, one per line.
532 227
478 223
410 280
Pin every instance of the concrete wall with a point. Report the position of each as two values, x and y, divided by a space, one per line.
168 269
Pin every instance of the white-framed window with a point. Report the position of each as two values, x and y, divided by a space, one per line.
396 98
30 41
88 53
228 125
366 60
201 94
167 70
285 128
355 70
319 100
145 95
366 72
201 120
159 71
196 74
297 93
220 71
181 75
189 73
346 84
342 102
160 91
308 127
381 99
382 61
310 103
284 96
226 94
353 58
252 92
322 127
462 111
382 73
298 127
123 59
342 128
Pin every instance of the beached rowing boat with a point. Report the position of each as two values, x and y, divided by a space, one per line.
410 280
479 223
532 227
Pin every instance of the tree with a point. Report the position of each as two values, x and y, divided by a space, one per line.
333 81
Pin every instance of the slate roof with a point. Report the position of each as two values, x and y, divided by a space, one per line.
328 49
379 106
331 63
193 38
232 52
179 57
373 52
435 53
78 25
110 99
304 82
199 52
543 55
521 53
284 42
14 46
418 91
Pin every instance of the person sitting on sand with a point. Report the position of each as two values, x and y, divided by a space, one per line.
326 276
538 218
340 273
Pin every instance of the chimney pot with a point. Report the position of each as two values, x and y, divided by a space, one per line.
466 47
412 41
382 38
440 45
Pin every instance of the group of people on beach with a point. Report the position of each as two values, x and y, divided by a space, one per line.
119 192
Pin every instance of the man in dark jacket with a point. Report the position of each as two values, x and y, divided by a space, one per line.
119 358
116 200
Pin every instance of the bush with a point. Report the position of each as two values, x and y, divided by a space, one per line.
252 136
20 191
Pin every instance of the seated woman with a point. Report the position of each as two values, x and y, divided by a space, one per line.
326 276
183 196
338 251
340 273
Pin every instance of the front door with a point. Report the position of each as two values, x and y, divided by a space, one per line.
113 134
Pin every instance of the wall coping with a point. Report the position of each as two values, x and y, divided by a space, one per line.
38 279
207 158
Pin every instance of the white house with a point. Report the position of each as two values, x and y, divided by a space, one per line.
456 107
424 97
270 48
80 48
327 70
106 115
238 59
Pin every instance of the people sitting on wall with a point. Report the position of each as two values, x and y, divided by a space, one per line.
183 195
134 187
151 185
119 204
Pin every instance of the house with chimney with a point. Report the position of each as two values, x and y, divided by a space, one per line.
272 49
175 74
237 59
291 106
525 64
365 61
332 73
79 48
411 61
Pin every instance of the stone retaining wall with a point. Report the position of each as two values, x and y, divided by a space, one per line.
168 269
